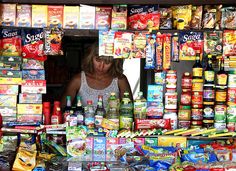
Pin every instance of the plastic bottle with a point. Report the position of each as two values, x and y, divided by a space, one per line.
172 115
126 112
56 117
140 107
100 112
66 112
46 113
79 111
113 107
89 115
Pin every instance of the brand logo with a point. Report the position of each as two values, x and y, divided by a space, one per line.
136 10
191 37
11 34
32 38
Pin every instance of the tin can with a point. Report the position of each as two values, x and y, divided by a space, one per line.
197 99
220 113
221 94
197 85
197 114
231 126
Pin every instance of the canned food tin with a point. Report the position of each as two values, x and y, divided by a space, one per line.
184 124
231 126
197 114
208 112
220 113
197 85
220 126
184 114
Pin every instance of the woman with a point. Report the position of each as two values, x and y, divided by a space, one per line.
99 76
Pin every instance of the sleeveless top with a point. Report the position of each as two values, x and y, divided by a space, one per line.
88 93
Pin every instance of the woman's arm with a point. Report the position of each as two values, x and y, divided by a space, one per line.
71 89
124 85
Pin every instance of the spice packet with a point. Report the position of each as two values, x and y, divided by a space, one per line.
196 21
119 17
106 42
228 19
150 51
213 43
165 18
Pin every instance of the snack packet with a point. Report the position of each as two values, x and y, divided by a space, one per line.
228 18
182 16
213 43
150 51
137 17
196 17
229 42
165 18
139 44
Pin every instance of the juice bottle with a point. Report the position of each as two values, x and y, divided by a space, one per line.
140 107
126 112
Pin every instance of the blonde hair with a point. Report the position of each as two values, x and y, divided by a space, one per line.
116 68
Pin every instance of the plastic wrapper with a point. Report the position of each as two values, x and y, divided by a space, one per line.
166 18
213 43
53 41
228 20
150 51
182 16
139 44
196 21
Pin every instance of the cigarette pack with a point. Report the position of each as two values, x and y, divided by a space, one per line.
9 89
8 100
30 98
33 86
8 111
33 74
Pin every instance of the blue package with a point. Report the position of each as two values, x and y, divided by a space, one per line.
199 157
150 51
160 165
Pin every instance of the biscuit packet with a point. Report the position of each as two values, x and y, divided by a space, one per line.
10 42
228 20
196 21
165 18
53 41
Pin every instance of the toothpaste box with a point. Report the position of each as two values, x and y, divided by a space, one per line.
29 118
110 153
99 149
9 89
33 74
30 98
32 64
33 86
8 100
8 111
30 109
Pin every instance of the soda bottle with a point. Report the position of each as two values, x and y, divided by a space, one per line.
46 113
126 112
140 107
66 113
100 112
89 114
79 111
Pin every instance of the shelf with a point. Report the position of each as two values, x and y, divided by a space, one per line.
111 2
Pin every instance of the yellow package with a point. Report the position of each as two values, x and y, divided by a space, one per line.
25 157
182 16
172 141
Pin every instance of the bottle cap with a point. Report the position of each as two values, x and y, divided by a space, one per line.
89 102
46 104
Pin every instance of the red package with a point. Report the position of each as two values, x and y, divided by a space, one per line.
159 51
33 44
152 123
137 18
10 42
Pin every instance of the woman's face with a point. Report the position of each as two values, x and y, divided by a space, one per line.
101 66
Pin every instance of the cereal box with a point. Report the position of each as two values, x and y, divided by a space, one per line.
30 98
30 109
55 16
8 89
87 17
89 149
8 111
103 18
123 44
29 118
8 100
8 14
110 153
10 42
168 141
155 93
23 15
99 149
189 43
39 15
33 86
106 42
71 17
119 17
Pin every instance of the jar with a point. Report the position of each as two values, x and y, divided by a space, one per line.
172 115
196 123
171 79
184 113
209 93
221 94
184 124
231 96
220 113
208 123
185 98
208 112
197 114
197 85
186 82
197 99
